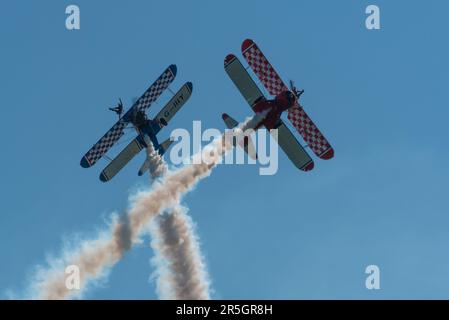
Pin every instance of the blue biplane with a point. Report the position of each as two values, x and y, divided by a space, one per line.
147 129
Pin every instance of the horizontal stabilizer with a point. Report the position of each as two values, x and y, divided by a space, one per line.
164 146
145 166
247 143
231 123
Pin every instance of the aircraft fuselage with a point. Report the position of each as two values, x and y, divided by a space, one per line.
282 102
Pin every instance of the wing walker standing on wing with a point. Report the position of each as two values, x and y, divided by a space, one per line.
284 99
147 129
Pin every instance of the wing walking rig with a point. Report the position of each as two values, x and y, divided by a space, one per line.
285 99
147 129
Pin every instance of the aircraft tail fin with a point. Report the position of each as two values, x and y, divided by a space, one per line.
161 149
164 146
145 166
247 143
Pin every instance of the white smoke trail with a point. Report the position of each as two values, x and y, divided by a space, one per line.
94 257
180 269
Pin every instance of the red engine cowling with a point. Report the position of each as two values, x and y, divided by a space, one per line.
285 100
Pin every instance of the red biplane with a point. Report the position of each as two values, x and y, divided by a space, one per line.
284 99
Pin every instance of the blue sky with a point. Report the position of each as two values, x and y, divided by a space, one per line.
379 96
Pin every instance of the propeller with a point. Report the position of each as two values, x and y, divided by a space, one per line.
295 91
292 85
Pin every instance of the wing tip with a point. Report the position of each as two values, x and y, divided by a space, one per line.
173 68
225 116
103 177
84 162
246 44
329 154
189 86
229 58
309 166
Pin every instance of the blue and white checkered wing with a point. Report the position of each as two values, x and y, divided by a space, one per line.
104 144
156 89
143 103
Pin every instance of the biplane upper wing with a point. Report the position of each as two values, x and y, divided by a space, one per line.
262 68
116 132
252 93
309 131
274 85
117 164
104 144
175 104
156 89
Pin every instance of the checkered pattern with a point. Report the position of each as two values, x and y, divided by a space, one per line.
264 70
274 85
144 102
154 91
105 143
305 126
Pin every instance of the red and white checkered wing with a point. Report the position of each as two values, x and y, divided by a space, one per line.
262 68
310 133
274 85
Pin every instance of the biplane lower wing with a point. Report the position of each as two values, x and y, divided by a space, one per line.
175 104
274 85
294 151
117 164
251 92
116 132
242 80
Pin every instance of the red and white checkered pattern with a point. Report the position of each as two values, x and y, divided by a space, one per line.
262 68
274 85
307 129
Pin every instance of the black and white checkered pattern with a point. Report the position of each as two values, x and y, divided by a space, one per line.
116 132
274 85
154 91
105 143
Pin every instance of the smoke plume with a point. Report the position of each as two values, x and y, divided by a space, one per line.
180 268
95 257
